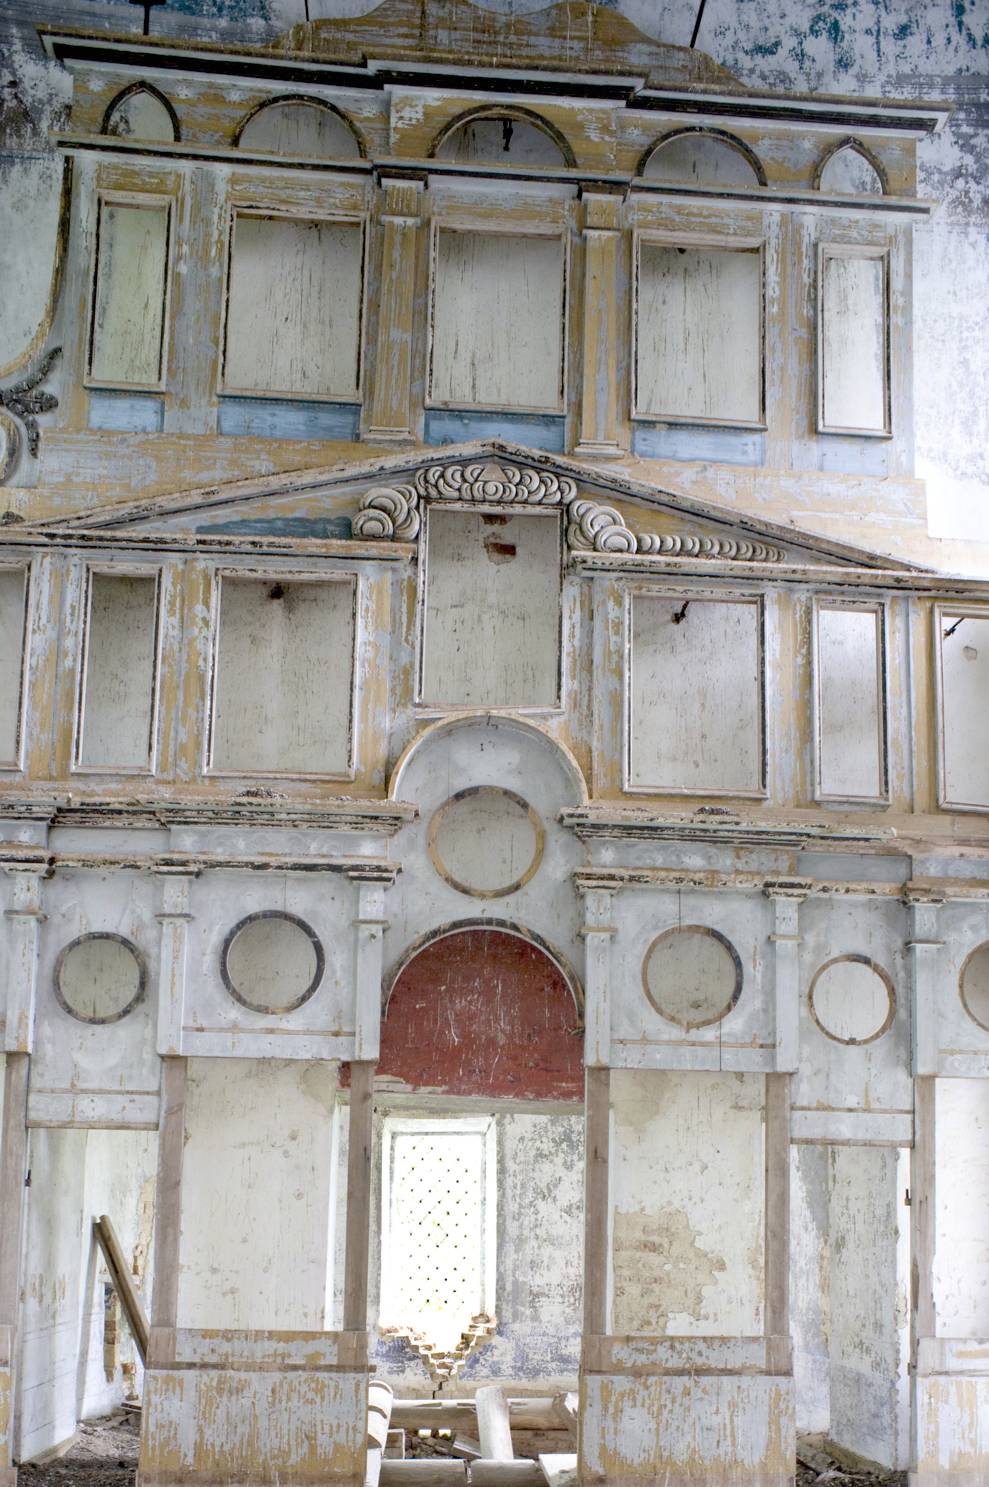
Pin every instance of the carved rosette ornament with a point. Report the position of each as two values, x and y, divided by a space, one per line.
392 513
19 407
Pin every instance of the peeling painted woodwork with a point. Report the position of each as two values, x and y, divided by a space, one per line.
13 605
294 302
497 337
964 693
698 319
129 309
850 675
117 709
853 357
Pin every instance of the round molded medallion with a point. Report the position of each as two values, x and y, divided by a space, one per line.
486 842
692 975
852 999
99 977
272 962
973 986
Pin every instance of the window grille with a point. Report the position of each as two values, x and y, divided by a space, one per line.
438 1227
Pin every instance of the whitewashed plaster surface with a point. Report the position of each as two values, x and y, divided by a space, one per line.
76 1176
961 1256
258 1145
687 1203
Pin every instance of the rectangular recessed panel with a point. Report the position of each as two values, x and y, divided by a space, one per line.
965 690
695 695
497 320
118 698
284 677
853 343
491 634
294 307
850 703
699 333
13 593
129 309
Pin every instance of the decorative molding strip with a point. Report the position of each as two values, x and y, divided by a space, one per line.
24 403
392 513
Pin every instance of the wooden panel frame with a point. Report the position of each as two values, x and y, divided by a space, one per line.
658 237
293 213
880 609
485 229
438 709
942 613
283 575
16 762
680 595
115 570
145 199
836 249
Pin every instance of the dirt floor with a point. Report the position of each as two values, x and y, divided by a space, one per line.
104 1454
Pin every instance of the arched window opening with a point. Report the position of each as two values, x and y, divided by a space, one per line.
504 139
695 157
141 113
299 127
850 171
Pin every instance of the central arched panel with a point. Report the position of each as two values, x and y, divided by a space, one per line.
484 1011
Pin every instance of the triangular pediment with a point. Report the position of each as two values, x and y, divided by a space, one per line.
382 500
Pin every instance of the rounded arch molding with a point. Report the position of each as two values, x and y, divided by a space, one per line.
295 100
504 926
700 132
519 114
434 731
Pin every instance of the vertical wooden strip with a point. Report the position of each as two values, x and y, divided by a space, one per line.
358 1197
603 327
168 1202
777 1238
597 1141
13 1167
922 1212
390 414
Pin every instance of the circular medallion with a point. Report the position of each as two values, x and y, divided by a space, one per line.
852 999
973 984
692 975
486 842
272 962
99 977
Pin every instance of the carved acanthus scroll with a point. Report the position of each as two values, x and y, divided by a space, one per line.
393 513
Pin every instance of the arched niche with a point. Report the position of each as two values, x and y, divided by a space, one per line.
702 157
304 127
850 169
503 137
485 748
484 1008
141 112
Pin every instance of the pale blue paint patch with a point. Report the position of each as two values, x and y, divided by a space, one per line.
126 413
268 418
537 431
654 441
853 456
281 526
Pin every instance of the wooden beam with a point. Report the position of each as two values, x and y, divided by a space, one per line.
922 1212
493 1425
358 1198
133 1307
13 1169
460 1415
777 1222
168 1194
597 1139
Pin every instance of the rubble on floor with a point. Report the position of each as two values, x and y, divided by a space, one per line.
103 1454
818 1467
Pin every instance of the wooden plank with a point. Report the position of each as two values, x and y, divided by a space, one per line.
423 1473
598 1119
777 1241
506 1474
168 1193
358 1198
493 1424
379 1404
133 1307
923 1213
565 1410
